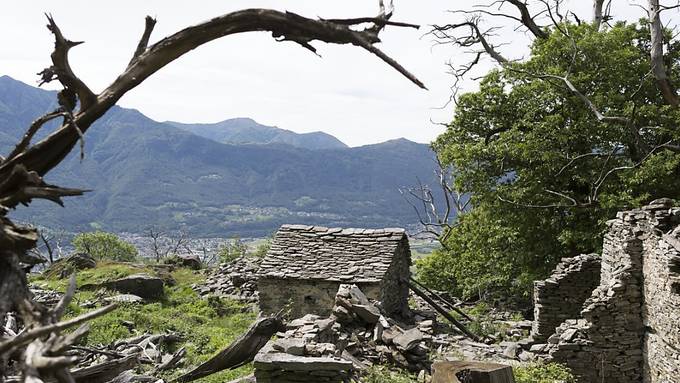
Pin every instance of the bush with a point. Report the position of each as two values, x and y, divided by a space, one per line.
543 373
102 245
263 248
231 250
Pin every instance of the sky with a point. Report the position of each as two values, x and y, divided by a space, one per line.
348 92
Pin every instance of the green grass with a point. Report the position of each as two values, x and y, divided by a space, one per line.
380 374
543 373
207 325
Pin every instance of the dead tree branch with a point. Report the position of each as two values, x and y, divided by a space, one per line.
22 171
437 215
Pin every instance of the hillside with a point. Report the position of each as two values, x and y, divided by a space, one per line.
146 173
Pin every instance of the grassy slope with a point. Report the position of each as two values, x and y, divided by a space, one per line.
207 325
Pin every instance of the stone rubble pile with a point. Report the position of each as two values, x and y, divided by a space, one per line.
236 280
356 335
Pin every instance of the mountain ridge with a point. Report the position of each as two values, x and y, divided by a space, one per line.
245 130
147 173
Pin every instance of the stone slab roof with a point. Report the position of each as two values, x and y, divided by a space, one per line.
332 254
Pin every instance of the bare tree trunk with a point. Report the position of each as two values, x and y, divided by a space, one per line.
597 13
658 67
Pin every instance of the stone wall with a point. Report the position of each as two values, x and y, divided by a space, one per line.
300 297
661 311
629 330
561 296
394 290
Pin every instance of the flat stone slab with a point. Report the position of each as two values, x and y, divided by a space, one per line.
286 362
124 298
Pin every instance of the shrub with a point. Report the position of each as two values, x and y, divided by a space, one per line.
543 373
231 250
102 245
263 248
381 374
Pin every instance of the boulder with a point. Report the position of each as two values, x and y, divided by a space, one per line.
142 285
368 313
64 267
191 261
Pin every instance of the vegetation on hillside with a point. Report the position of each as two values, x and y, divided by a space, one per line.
544 169
206 325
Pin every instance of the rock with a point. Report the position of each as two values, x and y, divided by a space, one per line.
357 297
124 298
408 340
369 313
320 349
64 267
191 261
280 361
142 285
526 356
293 346
568 335
389 334
511 351
538 348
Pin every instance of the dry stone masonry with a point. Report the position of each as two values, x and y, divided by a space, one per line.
629 329
235 280
334 348
305 266
561 296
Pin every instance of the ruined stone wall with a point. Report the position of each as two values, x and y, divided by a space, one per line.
394 289
304 296
629 327
561 296
661 311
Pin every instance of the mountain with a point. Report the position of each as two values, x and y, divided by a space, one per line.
246 131
146 173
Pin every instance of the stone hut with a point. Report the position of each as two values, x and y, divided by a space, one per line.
305 265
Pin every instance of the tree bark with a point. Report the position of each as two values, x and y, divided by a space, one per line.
658 66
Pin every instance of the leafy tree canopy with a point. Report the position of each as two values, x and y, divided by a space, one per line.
102 245
544 171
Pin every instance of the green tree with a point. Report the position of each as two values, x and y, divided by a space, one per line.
102 245
550 149
232 249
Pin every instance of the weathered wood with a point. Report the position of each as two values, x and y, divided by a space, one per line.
446 301
471 372
104 372
240 352
443 312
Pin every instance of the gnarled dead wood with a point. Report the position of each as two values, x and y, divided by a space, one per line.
240 352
